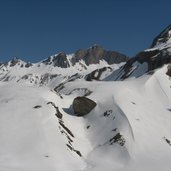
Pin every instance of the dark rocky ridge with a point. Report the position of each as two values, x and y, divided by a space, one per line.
90 56
155 59
96 53
59 60
96 74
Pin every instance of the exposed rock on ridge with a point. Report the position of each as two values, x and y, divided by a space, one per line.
96 53
59 60
153 58
163 37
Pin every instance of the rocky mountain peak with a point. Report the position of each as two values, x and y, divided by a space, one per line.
95 53
61 54
163 37
92 55
59 60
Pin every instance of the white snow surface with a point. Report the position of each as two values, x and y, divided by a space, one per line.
138 109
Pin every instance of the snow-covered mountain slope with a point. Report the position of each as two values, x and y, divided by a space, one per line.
147 61
128 129
55 117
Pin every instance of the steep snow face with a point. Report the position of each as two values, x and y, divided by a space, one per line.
129 129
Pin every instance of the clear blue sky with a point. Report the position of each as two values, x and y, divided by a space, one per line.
35 29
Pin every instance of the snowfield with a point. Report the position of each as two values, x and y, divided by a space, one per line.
129 129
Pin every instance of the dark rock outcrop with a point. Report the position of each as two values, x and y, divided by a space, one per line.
28 64
93 55
167 140
37 106
96 53
118 138
85 91
154 59
59 60
82 106
96 74
45 78
79 55
112 57
169 70
48 61
163 37
14 61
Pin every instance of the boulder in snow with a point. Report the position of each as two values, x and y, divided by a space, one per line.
82 105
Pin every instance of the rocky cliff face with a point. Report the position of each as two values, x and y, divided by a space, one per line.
96 53
93 55
59 60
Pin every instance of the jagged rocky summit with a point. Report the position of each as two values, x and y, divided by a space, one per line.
60 66
93 55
